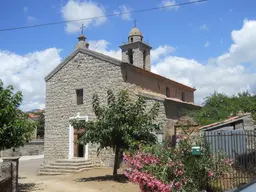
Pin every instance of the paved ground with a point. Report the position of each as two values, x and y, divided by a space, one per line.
29 167
96 180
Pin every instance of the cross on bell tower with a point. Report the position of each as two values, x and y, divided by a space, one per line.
82 29
135 22
82 39
136 51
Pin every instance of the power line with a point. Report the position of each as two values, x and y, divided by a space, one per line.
103 16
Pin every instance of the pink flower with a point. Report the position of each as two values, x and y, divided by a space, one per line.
210 174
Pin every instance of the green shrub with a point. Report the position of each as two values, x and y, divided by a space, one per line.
162 168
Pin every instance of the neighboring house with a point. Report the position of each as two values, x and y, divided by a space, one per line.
240 122
235 135
38 116
71 85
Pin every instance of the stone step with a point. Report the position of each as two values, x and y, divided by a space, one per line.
71 164
61 171
68 167
72 161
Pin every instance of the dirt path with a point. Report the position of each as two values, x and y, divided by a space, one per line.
96 180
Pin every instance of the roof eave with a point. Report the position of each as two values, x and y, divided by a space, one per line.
221 123
160 76
136 42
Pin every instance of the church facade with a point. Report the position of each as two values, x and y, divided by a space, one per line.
71 85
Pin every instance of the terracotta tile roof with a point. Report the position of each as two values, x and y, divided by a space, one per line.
180 101
168 98
226 121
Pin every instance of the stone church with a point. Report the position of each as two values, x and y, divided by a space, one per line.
71 85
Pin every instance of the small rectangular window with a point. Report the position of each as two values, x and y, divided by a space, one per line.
167 92
144 59
79 96
183 96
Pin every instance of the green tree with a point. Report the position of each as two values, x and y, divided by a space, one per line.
15 129
40 126
121 124
219 106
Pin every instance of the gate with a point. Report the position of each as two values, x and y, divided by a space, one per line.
240 146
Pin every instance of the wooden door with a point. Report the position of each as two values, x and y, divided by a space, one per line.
75 143
78 148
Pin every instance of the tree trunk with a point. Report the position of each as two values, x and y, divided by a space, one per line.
116 161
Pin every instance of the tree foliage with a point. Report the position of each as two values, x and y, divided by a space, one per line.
219 106
40 125
121 124
15 129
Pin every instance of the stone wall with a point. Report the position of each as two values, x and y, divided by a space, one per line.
5 178
34 147
9 174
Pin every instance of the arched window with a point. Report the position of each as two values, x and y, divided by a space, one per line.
183 96
144 59
131 39
167 92
130 55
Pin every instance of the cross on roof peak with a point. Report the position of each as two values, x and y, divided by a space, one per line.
82 29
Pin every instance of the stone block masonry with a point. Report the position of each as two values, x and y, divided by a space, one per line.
9 174
34 147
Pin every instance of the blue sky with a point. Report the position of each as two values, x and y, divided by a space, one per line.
199 33
180 28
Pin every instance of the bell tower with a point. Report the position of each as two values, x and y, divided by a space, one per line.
136 51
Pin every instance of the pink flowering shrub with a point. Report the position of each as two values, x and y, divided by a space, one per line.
168 169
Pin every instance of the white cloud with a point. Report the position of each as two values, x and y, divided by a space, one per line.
243 48
102 47
124 9
231 72
206 44
170 3
25 9
204 27
161 51
207 78
74 10
27 72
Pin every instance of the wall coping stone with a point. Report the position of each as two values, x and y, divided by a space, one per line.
10 158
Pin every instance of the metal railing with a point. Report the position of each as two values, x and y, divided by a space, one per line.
240 146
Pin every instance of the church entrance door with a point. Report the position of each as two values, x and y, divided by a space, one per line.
78 148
